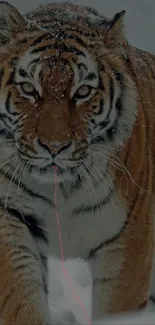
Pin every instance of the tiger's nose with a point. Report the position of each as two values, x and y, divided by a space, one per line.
54 147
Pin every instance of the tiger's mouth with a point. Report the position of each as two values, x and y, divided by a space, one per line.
65 168
50 167
42 167
46 174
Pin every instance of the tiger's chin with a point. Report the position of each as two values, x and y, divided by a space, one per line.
51 174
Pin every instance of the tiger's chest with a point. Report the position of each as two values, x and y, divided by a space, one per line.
83 222
79 222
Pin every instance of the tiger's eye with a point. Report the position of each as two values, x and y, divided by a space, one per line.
27 88
83 91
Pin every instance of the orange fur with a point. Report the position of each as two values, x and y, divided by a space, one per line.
135 184
18 303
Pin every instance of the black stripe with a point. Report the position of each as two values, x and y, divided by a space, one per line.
7 127
119 76
76 185
119 105
61 35
93 123
101 107
82 32
8 106
100 85
11 79
88 208
1 75
105 123
101 281
22 73
82 65
36 195
32 223
13 62
99 140
152 298
74 37
23 41
17 120
40 39
60 47
26 155
32 72
36 60
119 108
111 132
111 94
69 188
43 259
5 117
7 103
20 268
45 285
101 66
24 263
93 252
28 251
6 134
41 49
30 192
91 76
64 190
113 129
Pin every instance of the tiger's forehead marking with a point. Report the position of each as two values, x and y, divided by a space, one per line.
35 63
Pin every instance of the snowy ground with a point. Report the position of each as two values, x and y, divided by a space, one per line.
139 29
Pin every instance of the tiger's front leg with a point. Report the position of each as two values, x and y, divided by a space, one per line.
122 273
22 298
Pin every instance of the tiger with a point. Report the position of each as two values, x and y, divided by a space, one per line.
77 102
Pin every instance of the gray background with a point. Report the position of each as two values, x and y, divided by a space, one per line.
139 20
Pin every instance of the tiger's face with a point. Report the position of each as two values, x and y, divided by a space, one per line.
63 107
55 101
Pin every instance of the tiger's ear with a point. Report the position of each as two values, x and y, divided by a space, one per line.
11 22
114 29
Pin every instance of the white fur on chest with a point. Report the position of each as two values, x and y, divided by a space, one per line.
86 231
79 233
70 291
